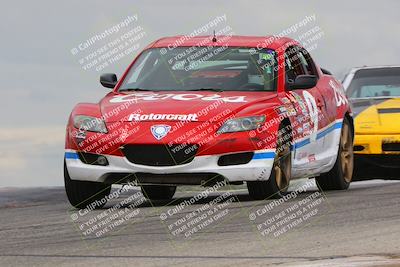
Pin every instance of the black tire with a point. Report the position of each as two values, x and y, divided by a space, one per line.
272 188
83 193
340 176
260 190
158 192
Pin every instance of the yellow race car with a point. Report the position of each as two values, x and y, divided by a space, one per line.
374 93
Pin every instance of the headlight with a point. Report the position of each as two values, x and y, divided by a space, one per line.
242 124
90 124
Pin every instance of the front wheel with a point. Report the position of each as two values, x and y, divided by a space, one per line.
83 193
278 182
339 178
158 192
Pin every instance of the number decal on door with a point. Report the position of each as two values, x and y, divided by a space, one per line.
313 113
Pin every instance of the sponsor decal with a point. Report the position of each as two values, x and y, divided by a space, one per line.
285 100
339 94
162 117
300 101
291 111
300 130
159 131
216 74
306 127
281 110
300 119
301 155
291 98
311 158
179 97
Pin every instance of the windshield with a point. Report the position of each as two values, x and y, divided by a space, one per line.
203 68
372 83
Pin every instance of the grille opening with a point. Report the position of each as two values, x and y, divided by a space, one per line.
204 179
160 155
92 159
235 159
358 148
391 147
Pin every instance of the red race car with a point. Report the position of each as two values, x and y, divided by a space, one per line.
207 110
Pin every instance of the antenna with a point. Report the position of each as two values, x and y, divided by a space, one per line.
214 39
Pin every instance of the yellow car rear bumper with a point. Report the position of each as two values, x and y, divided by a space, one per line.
376 144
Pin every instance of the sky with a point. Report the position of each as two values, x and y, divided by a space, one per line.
42 80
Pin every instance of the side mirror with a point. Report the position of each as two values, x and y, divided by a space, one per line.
304 82
108 80
325 71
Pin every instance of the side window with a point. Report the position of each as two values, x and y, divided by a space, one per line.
307 62
293 64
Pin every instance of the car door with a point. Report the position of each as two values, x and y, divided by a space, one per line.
335 99
309 115
326 107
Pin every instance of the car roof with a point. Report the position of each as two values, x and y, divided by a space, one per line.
271 41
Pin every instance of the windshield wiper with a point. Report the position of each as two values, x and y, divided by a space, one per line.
207 89
134 89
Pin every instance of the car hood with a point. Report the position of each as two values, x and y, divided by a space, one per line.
165 104
377 115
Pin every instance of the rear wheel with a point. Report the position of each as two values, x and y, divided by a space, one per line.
158 192
340 176
83 193
278 182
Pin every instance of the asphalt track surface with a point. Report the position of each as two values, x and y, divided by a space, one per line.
358 227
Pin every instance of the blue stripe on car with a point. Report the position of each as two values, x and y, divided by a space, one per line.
302 143
264 155
337 125
71 155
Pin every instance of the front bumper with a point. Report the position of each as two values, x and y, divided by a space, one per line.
258 168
